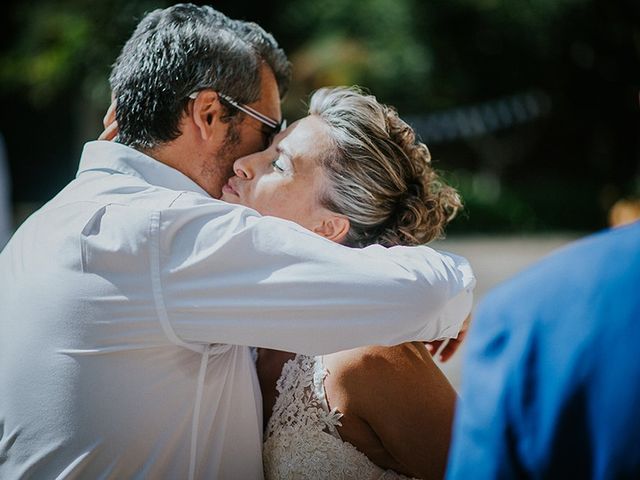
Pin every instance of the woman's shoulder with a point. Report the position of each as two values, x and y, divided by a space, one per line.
366 369
396 405
361 361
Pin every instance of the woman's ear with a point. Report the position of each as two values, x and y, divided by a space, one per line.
333 227
205 113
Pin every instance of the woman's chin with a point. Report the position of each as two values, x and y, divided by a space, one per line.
229 198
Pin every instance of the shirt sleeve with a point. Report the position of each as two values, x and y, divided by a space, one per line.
228 275
487 431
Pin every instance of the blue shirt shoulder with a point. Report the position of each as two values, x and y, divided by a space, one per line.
551 380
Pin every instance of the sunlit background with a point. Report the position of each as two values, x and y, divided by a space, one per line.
530 106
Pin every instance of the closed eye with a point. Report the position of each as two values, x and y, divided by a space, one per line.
278 165
282 163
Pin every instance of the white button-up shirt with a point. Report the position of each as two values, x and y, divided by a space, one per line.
127 304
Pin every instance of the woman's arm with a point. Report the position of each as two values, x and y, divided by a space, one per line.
401 395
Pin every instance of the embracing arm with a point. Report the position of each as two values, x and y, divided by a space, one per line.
231 276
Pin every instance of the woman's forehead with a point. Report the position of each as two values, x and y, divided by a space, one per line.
304 142
309 134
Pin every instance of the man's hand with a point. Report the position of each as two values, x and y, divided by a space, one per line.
110 123
448 347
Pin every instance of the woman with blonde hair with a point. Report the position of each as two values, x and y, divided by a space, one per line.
353 172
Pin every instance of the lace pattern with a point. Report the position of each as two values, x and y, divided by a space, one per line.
302 441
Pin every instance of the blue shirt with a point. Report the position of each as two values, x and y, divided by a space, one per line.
551 385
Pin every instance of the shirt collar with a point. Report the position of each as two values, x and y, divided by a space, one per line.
103 156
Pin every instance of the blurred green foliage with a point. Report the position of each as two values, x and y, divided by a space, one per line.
373 43
67 46
559 171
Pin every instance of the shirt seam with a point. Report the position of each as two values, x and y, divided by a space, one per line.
156 286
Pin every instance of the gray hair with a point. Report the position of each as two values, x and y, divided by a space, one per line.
380 177
182 49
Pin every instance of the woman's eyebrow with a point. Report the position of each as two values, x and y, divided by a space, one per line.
283 151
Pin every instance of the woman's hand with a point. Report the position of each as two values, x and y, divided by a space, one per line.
110 124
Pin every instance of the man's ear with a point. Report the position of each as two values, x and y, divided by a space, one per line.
206 112
333 227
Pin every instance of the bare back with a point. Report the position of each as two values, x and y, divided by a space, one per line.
396 405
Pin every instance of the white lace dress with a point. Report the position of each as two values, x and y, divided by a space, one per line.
301 441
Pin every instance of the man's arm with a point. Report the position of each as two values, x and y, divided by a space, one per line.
231 276
488 421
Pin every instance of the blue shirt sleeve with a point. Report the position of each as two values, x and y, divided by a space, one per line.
486 423
551 379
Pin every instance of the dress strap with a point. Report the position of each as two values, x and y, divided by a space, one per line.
333 416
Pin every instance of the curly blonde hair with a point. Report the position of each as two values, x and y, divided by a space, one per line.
380 176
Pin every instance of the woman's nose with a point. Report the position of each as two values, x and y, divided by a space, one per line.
243 167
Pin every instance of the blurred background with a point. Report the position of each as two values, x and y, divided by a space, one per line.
529 107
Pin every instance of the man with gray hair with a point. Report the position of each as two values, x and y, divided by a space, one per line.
128 302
